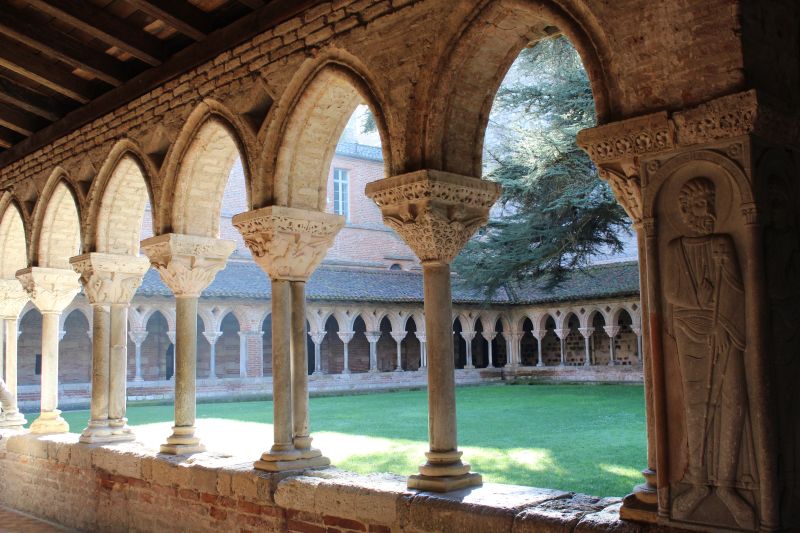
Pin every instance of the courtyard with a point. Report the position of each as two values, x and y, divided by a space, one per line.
582 438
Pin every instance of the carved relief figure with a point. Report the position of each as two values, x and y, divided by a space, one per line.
782 261
706 317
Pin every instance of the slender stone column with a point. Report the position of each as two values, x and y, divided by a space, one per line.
13 298
289 244
109 281
562 334
398 339
346 337
489 338
638 332
539 335
435 213
372 338
423 349
317 339
51 291
187 265
244 341
212 337
171 336
468 336
138 337
612 332
587 337
513 340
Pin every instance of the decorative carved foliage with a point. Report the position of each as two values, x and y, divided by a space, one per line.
51 289
638 136
729 116
628 191
13 298
187 263
288 243
110 278
434 212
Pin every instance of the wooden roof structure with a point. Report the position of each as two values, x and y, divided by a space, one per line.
64 63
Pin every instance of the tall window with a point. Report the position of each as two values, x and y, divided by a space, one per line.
341 199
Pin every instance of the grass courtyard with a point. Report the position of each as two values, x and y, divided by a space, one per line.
585 438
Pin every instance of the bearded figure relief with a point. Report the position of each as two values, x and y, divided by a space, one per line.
706 318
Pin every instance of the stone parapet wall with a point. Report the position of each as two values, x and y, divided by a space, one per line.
128 488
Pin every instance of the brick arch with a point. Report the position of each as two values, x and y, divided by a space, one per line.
197 170
482 51
309 119
57 228
12 240
117 201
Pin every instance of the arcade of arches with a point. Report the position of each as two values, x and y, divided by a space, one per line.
697 111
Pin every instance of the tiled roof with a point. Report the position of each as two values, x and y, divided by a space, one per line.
247 280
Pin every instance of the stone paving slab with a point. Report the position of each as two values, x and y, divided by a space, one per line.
12 521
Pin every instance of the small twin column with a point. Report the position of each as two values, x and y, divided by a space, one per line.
289 244
12 299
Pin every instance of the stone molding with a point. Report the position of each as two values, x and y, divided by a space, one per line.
110 278
13 298
51 289
187 263
434 212
286 242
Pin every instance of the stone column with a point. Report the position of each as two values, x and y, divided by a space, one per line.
435 213
612 332
539 335
468 336
138 337
212 337
423 349
51 291
346 337
372 338
289 244
317 339
171 336
637 330
13 298
187 265
489 338
562 334
244 341
398 338
513 339
587 337
109 281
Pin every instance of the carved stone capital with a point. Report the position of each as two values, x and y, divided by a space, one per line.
627 189
110 278
562 333
611 331
187 263
213 336
138 336
13 298
51 289
346 336
468 335
586 332
372 336
398 337
434 212
421 337
288 243
317 338
628 139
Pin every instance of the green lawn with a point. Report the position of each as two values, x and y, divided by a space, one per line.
586 438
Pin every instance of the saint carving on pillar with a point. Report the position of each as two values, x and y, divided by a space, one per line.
706 318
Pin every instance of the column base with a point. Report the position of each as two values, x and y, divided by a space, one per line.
399 370
49 422
182 442
12 420
642 504
444 483
293 459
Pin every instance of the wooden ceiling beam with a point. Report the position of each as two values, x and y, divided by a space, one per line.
35 67
8 138
181 15
102 25
19 121
30 101
64 48
252 4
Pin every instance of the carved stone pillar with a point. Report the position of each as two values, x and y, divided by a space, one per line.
346 337
317 339
212 337
187 265
435 213
587 338
398 339
372 338
562 334
138 337
13 298
51 291
109 281
468 336
612 332
289 244
713 195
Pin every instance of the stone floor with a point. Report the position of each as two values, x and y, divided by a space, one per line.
15 522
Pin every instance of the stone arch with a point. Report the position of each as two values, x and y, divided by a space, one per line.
197 169
387 347
358 349
156 347
332 347
29 346
411 348
57 228
495 33
75 347
12 239
307 124
117 201
229 347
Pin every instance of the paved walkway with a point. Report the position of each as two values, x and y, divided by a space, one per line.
16 522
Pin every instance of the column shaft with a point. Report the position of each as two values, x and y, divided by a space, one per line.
373 355
50 420
318 357
138 356
118 386
212 359
98 412
540 359
281 365
11 417
587 351
299 349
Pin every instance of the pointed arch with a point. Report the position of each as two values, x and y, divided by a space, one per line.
57 228
307 123
12 239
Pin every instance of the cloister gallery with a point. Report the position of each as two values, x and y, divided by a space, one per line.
117 105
